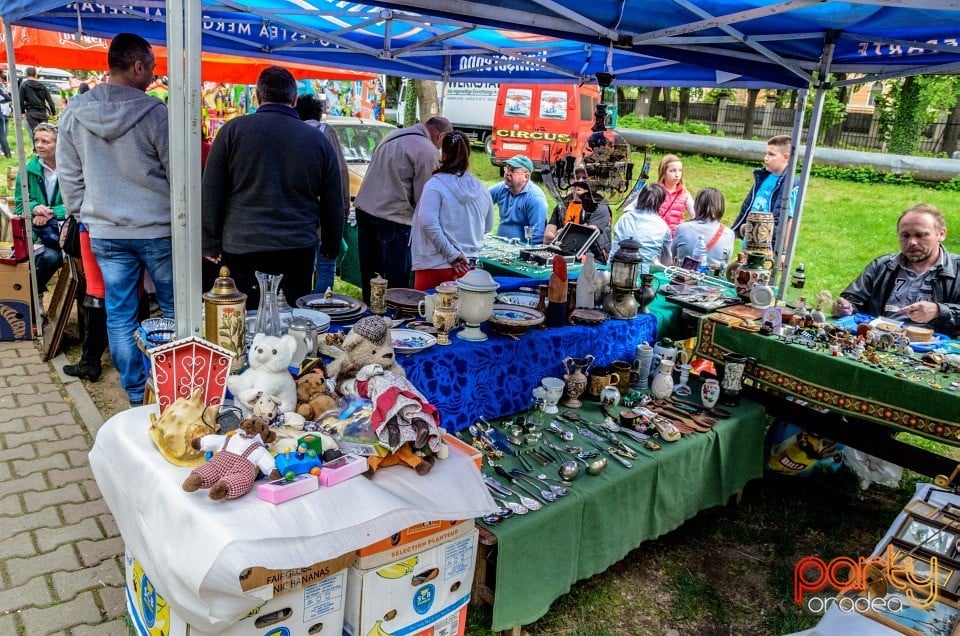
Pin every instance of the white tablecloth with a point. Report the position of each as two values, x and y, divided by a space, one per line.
194 549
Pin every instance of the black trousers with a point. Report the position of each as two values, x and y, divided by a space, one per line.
384 248
296 265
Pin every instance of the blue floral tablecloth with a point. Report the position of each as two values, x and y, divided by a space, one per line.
495 378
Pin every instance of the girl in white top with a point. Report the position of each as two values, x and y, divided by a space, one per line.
454 212
643 224
717 238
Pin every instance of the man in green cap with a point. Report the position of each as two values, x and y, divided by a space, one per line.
520 201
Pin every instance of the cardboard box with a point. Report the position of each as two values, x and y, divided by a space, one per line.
423 595
16 317
455 442
15 282
297 602
410 541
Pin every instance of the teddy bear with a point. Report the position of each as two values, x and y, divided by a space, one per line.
403 419
289 426
231 471
313 396
267 373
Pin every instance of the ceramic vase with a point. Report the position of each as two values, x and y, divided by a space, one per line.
642 362
662 386
731 384
575 379
710 393
610 396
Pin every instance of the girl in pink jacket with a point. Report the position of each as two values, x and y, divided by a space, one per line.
678 198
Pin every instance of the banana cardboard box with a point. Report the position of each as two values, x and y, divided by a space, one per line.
297 602
411 541
16 317
425 594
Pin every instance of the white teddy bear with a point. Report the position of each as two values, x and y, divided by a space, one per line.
267 373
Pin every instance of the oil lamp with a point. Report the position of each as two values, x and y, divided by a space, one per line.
621 302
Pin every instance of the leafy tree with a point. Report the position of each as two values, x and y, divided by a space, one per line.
410 104
910 105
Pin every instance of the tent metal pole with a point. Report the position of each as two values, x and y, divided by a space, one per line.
788 180
183 50
24 186
816 115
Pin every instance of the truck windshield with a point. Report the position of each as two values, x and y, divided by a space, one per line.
358 141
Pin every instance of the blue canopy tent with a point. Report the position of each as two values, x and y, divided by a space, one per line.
736 43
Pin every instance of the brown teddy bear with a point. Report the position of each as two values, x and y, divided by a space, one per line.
230 472
313 396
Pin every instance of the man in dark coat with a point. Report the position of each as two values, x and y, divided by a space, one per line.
36 101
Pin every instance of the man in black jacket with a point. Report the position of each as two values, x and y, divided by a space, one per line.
269 183
921 283
36 101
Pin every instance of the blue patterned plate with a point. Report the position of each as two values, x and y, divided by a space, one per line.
411 341
525 299
514 319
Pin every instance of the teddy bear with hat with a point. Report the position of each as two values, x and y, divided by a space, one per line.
403 419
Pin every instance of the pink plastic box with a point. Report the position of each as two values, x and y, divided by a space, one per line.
341 468
281 490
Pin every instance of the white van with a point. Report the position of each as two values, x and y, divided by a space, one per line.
468 105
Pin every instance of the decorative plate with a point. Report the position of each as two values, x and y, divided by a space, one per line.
588 316
410 340
514 319
762 296
525 299
338 306
422 325
405 298
320 320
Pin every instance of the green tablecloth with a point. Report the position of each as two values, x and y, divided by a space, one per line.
541 555
841 384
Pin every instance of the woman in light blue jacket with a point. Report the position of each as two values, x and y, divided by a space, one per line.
454 212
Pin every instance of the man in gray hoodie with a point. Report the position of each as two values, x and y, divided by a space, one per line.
113 160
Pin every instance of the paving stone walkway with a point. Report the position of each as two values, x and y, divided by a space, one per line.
61 555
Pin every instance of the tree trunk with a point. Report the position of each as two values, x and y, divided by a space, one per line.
428 99
683 106
641 107
908 119
951 132
654 98
752 95
667 114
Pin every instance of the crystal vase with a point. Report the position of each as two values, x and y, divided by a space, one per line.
268 311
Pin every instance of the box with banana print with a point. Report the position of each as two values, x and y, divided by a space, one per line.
419 595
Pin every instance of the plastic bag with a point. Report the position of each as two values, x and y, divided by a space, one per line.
796 452
872 470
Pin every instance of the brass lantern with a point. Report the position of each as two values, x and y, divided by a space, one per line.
624 269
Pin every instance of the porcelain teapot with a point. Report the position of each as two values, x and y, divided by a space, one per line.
664 350
305 333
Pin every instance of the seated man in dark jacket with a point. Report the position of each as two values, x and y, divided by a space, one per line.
920 284
584 208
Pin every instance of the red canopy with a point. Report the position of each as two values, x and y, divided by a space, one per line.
37 47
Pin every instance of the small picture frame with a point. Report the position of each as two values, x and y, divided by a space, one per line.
922 509
948 570
929 535
773 315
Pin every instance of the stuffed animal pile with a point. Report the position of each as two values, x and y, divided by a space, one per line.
268 374
403 419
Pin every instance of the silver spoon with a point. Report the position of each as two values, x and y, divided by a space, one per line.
532 504
547 493
512 506
559 491
612 426
565 435
569 471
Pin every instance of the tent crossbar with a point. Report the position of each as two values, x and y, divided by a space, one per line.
726 39
475 11
578 18
711 22
750 42
441 37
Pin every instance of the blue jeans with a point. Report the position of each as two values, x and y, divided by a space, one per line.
326 271
48 262
122 262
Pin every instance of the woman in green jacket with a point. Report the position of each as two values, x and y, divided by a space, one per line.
46 204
